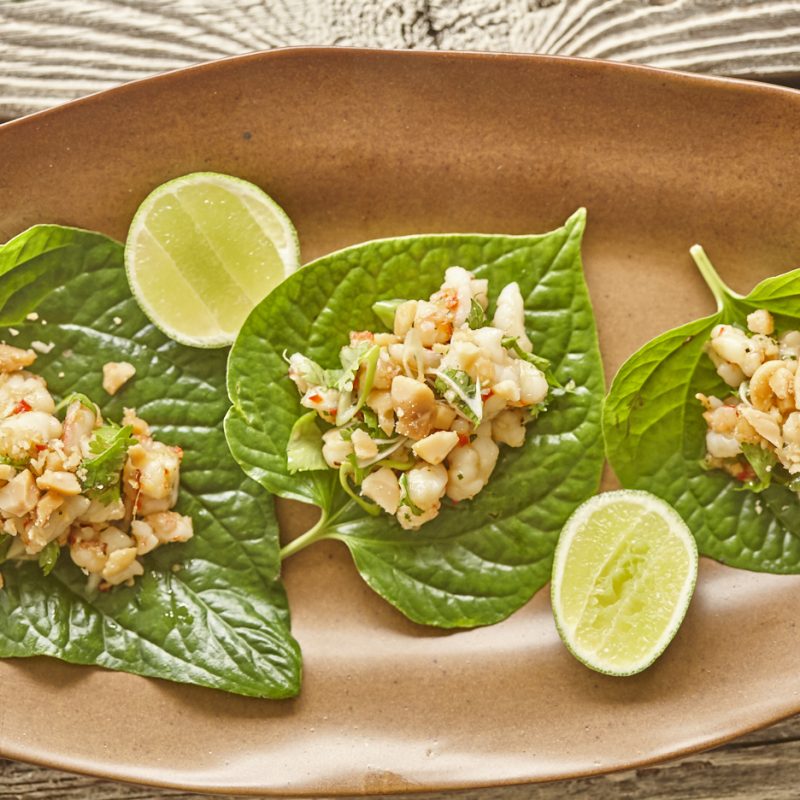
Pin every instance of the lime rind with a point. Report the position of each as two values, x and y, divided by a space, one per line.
574 526
274 225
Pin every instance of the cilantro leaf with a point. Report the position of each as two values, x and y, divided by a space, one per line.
109 445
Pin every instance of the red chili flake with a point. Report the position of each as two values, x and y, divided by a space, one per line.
463 439
21 407
332 412
486 394
41 447
747 474
315 398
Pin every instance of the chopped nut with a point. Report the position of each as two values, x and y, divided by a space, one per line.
41 347
116 374
434 448
64 483
13 359
414 404
47 505
19 495
363 446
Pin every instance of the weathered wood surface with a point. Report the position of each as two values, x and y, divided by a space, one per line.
761 766
55 50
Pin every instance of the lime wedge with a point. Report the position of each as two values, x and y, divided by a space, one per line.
202 251
623 574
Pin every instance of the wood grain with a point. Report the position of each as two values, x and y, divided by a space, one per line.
761 766
55 50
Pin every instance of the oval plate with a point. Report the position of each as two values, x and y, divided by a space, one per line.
357 145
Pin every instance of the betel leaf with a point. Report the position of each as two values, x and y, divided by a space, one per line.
655 433
480 560
210 612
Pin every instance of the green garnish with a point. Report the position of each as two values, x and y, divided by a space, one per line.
385 310
109 445
477 316
304 450
457 388
48 557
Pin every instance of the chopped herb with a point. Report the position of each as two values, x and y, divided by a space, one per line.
542 364
457 388
48 557
477 316
763 462
405 500
385 310
304 450
344 471
80 397
370 360
109 445
351 357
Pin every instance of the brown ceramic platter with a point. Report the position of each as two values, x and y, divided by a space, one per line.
357 145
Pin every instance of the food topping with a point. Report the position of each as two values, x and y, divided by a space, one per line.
754 434
116 374
416 415
101 490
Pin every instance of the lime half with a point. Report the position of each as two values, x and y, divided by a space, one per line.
624 572
202 251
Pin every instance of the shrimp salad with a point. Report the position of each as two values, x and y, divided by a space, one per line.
754 435
418 414
104 492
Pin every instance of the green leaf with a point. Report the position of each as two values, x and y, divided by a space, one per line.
351 357
313 373
109 446
81 398
542 364
763 462
369 358
477 316
385 310
210 612
304 450
48 557
457 389
655 434
479 560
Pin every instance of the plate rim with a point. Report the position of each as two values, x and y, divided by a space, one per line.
171 78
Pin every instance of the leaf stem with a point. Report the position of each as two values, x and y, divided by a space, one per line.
722 293
315 532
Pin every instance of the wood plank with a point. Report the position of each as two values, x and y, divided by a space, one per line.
761 766
55 50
